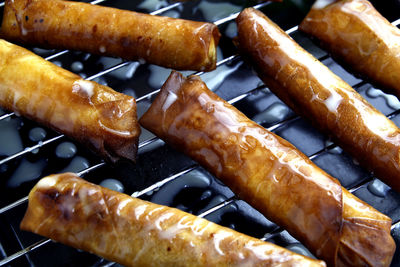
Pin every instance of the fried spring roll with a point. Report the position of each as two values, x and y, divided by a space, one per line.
356 34
134 232
270 174
90 113
313 91
173 43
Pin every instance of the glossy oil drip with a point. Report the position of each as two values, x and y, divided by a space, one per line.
112 184
194 179
392 101
77 164
77 66
213 11
151 5
37 134
319 4
215 78
378 188
66 150
10 139
274 113
26 171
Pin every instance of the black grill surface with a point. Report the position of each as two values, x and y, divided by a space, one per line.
162 175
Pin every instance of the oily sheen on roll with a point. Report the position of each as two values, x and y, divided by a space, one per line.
270 174
134 232
93 114
313 91
359 36
168 42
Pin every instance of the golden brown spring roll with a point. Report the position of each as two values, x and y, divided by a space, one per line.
173 43
134 232
313 91
270 174
90 113
356 34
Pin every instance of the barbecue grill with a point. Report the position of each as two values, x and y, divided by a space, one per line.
162 175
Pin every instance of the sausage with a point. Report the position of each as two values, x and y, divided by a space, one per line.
173 43
270 174
358 35
90 113
135 232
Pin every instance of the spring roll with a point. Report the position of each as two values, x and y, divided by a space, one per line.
270 174
173 43
90 113
134 232
314 92
356 34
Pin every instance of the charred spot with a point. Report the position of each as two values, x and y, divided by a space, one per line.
67 215
101 215
212 235
125 41
94 29
168 248
35 20
52 194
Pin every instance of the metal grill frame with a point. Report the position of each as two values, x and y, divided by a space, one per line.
170 178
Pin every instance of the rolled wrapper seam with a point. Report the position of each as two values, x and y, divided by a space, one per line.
169 42
313 91
360 37
90 113
265 170
135 232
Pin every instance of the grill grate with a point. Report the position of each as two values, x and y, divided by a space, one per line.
154 174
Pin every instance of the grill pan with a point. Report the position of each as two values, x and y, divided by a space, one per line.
29 151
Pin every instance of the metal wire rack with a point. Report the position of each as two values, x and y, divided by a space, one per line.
243 98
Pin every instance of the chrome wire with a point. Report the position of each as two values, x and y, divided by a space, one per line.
157 185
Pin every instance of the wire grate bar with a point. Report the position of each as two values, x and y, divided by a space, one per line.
92 168
115 67
219 63
14 204
24 251
5 116
149 141
166 180
30 149
234 15
218 207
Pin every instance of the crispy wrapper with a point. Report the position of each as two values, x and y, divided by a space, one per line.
173 43
134 232
90 113
313 91
269 173
356 34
